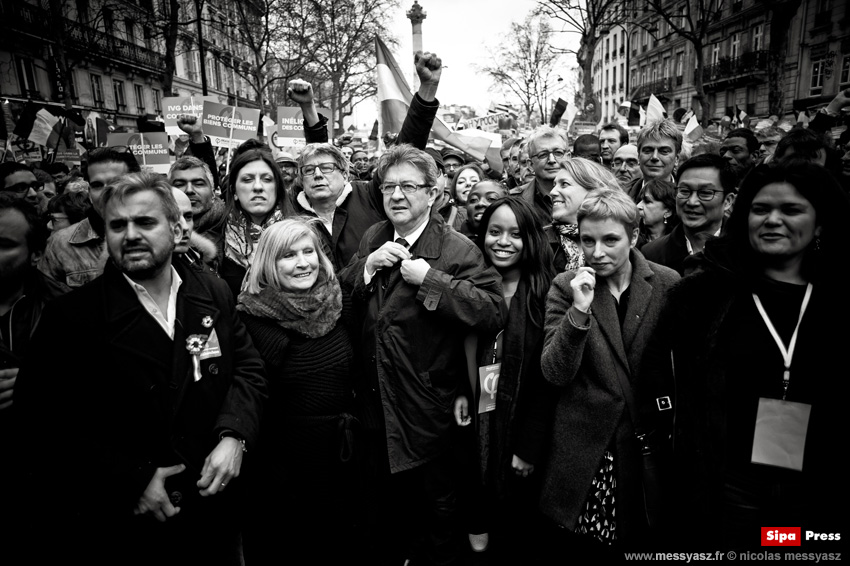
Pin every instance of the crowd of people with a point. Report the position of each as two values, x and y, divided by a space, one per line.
326 358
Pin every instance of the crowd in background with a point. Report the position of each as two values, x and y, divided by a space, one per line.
418 357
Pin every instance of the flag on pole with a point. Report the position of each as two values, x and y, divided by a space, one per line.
394 97
693 130
39 126
636 114
393 92
557 112
654 110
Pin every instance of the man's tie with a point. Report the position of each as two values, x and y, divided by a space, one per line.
393 271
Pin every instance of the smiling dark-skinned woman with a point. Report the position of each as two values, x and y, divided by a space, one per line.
759 336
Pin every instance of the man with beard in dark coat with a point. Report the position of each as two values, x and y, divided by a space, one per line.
146 407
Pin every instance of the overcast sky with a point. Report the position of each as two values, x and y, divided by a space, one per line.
462 33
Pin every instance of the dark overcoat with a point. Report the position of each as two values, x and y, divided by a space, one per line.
591 413
109 398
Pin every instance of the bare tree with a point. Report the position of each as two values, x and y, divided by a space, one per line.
342 43
591 20
524 65
691 20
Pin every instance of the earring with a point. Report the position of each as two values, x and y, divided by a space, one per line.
817 244
665 220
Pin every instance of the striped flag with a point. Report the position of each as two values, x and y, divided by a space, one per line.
693 130
394 97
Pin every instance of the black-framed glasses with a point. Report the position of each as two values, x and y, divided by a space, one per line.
326 168
702 194
23 188
544 155
406 187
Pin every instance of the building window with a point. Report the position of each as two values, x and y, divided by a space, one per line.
26 78
613 78
73 85
757 38
736 44
96 89
845 70
816 84
615 46
715 54
157 100
130 29
118 91
607 47
680 64
666 67
140 98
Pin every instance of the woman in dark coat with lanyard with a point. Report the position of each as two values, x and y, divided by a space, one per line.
598 322
759 336
512 433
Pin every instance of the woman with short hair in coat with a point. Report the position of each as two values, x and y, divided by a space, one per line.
599 319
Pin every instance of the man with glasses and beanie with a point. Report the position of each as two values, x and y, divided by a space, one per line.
547 147
348 208
419 288
705 191
77 254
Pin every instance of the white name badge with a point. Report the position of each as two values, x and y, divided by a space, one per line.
488 378
212 349
780 435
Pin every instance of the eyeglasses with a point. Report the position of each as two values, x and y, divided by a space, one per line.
23 188
702 194
406 187
544 155
326 168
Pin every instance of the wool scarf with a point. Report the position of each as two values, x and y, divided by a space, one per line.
312 314
241 237
569 241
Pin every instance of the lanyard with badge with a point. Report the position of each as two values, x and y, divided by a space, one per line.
781 425
488 379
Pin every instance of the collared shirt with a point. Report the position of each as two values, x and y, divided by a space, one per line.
691 248
166 319
410 239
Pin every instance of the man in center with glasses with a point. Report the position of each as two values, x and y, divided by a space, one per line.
419 289
77 254
547 147
705 190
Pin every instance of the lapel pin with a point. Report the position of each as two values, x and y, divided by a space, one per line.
207 322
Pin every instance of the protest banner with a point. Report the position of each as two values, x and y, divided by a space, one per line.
174 106
150 150
229 126
290 125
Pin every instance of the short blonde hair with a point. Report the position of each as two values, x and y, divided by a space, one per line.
275 241
589 174
603 204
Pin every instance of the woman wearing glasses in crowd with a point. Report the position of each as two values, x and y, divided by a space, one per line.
257 200
296 314
759 336
574 180
657 208
511 439
599 319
